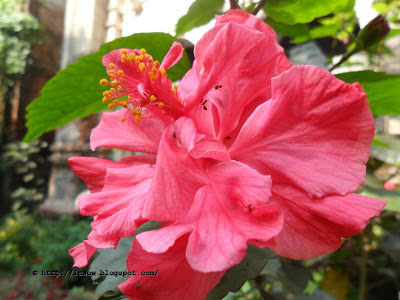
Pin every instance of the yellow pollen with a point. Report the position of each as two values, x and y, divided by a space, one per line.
114 81
137 119
180 100
161 104
155 71
120 72
175 86
143 51
123 104
123 58
123 119
116 102
157 64
112 90
153 98
152 77
147 56
142 66
111 66
124 51
105 99
163 72
103 82
172 91
111 106
131 56
106 93
141 57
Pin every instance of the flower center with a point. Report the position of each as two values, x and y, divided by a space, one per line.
141 86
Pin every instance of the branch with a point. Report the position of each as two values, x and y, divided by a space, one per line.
258 7
233 4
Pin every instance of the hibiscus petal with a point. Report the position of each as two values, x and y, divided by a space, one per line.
314 227
210 148
187 283
315 133
82 254
173 56
176 179
231 210
128 135
92 170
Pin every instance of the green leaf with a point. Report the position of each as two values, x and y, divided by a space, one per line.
304 11
382 90
200 12
372 187
76 93
115 260
235 277
302 33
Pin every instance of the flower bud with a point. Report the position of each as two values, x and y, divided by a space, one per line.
373 32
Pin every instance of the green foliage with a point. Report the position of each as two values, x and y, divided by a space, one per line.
24 159
381 88
18 30
17 235
303 11
76 93
55 239
200 12
235 277
115 260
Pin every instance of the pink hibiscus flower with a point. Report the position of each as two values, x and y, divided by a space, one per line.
246 149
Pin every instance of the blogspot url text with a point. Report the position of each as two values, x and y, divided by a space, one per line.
77 273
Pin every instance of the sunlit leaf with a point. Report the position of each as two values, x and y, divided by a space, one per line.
382 90
200 12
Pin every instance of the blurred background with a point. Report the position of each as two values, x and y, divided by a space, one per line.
39 221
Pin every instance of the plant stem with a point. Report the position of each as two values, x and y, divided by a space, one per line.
258 7
344 58
233 4
363 268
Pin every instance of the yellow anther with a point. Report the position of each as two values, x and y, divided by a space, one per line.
154 71
175 86
143 51
112 90
124 58
106 94
123 119
103 82
111 106
180 100
142 66
111 66
114 81
121 73
123 104
161 104
124 51
131 56
141 57
147 56
137 119
163 72
105 99
152 77
172 91
157 64
153 98
116 102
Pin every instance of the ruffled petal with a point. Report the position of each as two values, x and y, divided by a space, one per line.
314 227
82 254
187 283
231 210
314 133
129 135
173 56
231 89
92 170
177 175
